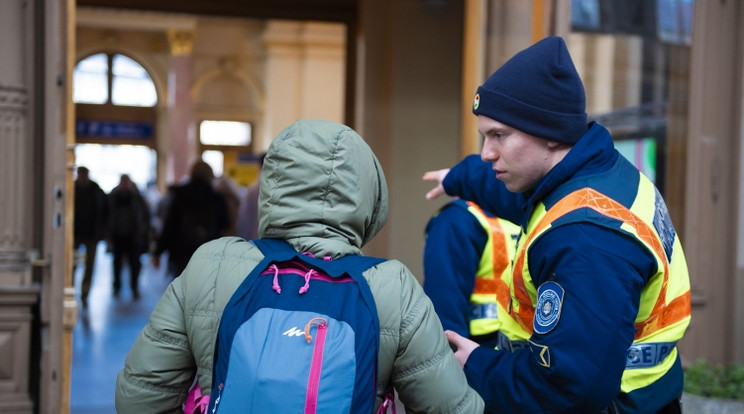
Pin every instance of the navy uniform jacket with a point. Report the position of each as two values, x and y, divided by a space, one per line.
602 273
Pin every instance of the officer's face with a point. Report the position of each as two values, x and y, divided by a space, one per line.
519 159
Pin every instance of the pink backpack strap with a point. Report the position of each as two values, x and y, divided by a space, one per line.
388 401
196 402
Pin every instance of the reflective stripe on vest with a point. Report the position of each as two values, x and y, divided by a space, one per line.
646 355
643 355
491 290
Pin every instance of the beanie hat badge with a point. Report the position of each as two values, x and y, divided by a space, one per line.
476 101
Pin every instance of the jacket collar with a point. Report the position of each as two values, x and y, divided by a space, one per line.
594 153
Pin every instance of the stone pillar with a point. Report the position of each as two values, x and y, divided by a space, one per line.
14 204
182 144
15 228
15 334
17 293
323 71
283 68
305 73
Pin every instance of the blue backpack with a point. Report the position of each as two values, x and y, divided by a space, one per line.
300 335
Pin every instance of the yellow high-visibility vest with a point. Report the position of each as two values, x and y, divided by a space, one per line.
664 310
490 298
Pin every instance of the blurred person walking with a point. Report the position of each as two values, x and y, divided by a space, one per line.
89 226
152 197
196 214
129 231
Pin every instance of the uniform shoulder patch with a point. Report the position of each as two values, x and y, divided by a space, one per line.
548 309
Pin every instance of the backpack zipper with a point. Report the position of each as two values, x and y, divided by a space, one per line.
311 399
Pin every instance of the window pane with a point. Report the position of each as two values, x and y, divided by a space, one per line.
674 21
640 152
225 133
131 84
585 14
108 162
90 80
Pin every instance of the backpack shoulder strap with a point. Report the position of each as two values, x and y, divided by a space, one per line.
274 251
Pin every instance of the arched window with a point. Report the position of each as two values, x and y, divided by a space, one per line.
112 78
116 117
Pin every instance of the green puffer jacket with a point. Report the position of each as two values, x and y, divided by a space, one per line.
323 190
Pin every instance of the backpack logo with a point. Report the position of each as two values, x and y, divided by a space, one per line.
293 331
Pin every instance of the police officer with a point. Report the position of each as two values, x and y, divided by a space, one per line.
467 258
599 287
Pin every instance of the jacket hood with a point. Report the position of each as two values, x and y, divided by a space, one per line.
322 188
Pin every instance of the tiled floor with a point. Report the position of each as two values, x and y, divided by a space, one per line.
105 332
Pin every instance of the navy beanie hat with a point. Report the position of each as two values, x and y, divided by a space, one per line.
537 91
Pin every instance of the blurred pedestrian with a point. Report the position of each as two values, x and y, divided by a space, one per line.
152 197
89 226
196 214
128 232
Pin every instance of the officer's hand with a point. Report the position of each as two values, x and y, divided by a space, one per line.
438 177
464 346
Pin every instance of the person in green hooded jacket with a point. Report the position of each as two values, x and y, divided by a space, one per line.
324 191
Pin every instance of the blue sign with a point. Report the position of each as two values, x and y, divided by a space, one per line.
114 129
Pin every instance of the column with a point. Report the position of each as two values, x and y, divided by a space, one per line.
181 148
17 294
283 69
15 229
323 70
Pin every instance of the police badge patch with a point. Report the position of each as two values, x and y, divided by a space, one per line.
548 309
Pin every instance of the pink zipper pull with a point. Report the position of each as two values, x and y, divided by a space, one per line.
275 284
308 275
